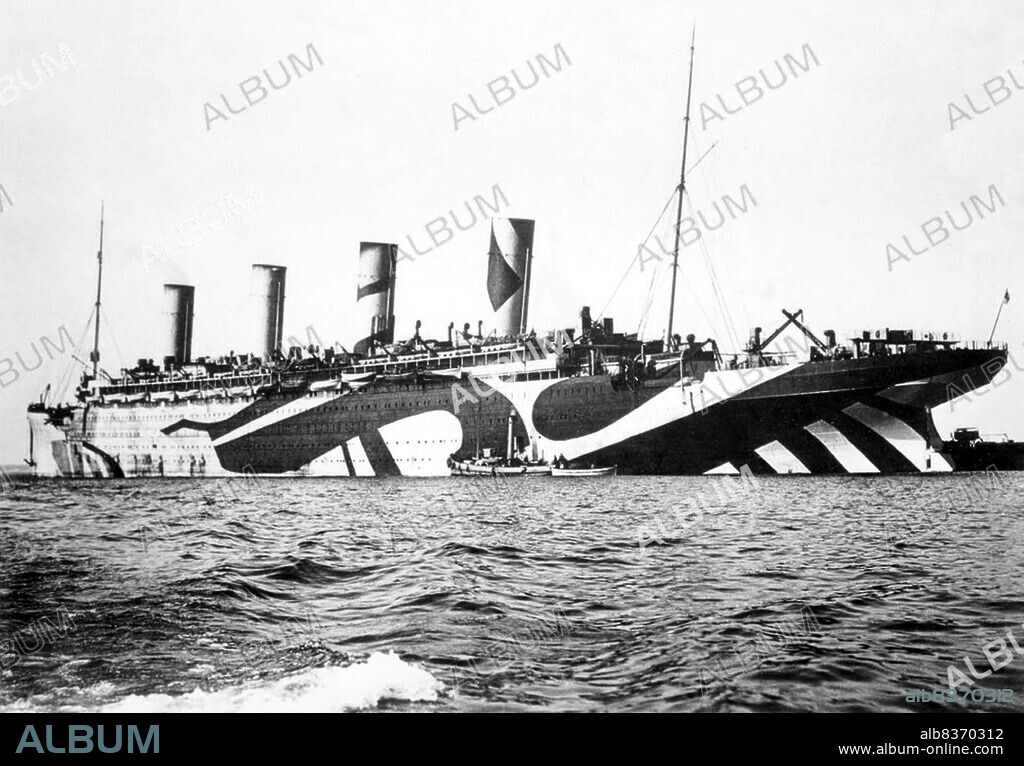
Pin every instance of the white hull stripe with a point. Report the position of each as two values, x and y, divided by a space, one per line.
900 435
842 449
672 404
360 462
725 468
781 459
420 444
331 463
285 411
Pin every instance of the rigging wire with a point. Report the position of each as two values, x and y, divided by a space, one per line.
700 306
715 288
113 340
66 376
637 256
646 312
716 282
694 299
649 300
694 166
730 290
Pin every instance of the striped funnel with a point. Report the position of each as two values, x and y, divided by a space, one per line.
375 295
508 273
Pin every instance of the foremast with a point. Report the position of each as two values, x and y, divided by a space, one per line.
680 191
94 355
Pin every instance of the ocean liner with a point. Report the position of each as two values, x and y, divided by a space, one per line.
584 393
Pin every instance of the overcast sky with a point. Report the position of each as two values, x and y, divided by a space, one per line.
842 160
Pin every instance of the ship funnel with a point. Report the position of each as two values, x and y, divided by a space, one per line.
508 273
375 295
177 311
267 296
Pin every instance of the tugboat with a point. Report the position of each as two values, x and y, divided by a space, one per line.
495 466
969 450
513 464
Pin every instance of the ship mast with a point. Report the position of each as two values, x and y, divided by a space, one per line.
95 355
681 190
1003 302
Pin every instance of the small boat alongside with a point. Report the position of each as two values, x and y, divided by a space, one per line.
564 472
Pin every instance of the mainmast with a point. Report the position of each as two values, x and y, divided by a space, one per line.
95 355
680 191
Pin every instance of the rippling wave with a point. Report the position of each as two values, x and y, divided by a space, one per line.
800 593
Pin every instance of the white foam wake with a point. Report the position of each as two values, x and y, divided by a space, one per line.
319 690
